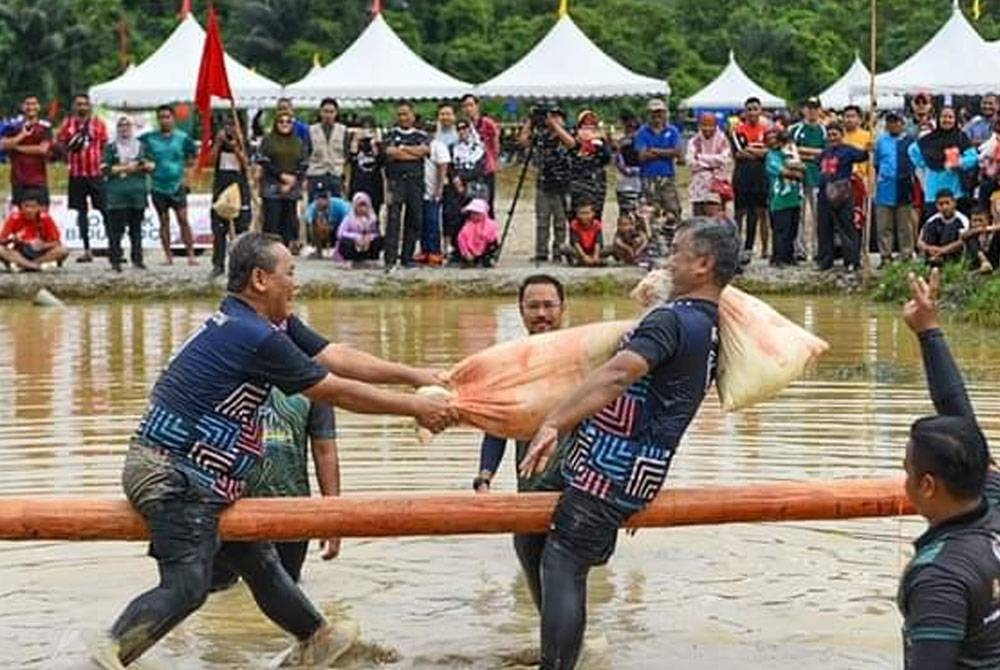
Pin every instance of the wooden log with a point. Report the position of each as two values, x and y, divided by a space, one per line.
387 515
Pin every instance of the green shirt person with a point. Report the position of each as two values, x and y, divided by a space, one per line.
293 424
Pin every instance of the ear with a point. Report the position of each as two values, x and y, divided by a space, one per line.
258 280
928 486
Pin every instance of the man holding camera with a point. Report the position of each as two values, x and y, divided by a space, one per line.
552 161
83 139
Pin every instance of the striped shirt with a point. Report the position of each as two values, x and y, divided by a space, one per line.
84 140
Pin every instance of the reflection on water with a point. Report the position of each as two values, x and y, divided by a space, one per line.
73 382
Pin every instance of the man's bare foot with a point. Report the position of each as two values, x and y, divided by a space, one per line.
192 261
167 261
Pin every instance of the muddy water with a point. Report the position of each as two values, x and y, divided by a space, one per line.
815 595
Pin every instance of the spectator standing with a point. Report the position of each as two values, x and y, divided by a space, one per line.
435 177
941 238
709 157
29 237
446 130
27 144
172 152
629 189
980 127
989 166
809 136
406 147
367 162
659 146
231 167
83 138
589 154
859 137
127 168
466 182
329 144
283 159
922 120
785 173
300 128
894 189
836 200
750 177
552 178
489 134
943 155
358 238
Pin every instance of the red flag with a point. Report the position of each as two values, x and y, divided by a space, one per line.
212 81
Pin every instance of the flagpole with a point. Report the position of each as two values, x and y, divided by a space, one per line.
866 261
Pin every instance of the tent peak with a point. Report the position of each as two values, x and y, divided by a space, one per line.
376 7
732 56
563 8
955 7
185 9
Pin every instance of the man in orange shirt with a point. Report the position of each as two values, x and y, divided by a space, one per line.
29 236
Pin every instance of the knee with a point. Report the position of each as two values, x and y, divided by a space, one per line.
189 586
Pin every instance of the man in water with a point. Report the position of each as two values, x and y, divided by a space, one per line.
949 594
625 422
542 301
293 425
201 437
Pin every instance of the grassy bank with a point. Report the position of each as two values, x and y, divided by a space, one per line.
968 295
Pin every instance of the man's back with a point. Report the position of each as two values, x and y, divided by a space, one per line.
950 591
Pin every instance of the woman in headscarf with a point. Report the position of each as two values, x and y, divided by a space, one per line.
590 152
358 237
283 160
229 156
466 181
126 168
710 158
942 157
989 164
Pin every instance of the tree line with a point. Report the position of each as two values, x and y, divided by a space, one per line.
794 48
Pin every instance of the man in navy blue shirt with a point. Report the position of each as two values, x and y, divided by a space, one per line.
836 200
658 144
201 437
624 424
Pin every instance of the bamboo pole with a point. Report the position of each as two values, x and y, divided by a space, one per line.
866 258
455 513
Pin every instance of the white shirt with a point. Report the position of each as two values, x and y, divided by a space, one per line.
439 155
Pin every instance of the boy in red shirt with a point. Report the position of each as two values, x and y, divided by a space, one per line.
586 245
29 236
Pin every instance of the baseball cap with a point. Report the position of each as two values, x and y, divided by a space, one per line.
656 105
813 102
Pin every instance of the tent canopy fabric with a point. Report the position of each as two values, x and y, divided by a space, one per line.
956 60
567 64
377 66
170 74
852 88
730 90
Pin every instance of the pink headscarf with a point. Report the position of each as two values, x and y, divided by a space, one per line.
353 226
478 232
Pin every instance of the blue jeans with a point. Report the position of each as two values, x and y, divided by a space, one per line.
582 535
430 234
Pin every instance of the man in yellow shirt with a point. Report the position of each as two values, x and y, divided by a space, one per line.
857 137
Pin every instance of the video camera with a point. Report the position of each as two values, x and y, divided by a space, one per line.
541 111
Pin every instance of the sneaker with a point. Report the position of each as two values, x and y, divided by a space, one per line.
116 267
325 646
139 266
435 260
392 269
421 258
85 258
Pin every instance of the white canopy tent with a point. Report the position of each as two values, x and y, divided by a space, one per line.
378 65
853 88
730 90
956 60
567 64
170 74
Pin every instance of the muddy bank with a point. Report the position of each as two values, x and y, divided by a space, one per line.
322 279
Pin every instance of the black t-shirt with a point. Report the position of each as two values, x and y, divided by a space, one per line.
553 163
950 594
405 169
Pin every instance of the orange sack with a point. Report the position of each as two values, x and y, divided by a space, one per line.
509 388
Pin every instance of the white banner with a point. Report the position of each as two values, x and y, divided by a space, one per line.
199 214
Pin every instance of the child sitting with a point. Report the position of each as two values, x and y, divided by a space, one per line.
982 244
358 238
586 238
477 240
941 237
630 242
